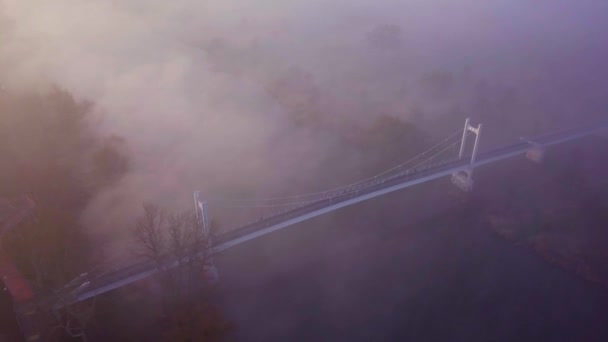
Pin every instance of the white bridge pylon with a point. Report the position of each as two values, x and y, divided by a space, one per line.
204 222
202 213
464 179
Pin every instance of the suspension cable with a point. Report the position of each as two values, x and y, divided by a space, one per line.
311 194
301 203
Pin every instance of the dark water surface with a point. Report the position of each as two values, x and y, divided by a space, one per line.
447 278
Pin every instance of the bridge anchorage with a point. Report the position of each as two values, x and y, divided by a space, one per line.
464 179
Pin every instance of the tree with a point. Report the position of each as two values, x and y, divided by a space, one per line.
165 238
44 250
110 160
189 246
169 238
298 93
50 151
50 250
46 144
150 233
73 319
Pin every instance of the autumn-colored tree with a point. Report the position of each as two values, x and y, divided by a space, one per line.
297 92
51 151
150 235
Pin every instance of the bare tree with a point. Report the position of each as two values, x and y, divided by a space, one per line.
199 254
150 235
189 246
178 239
167 238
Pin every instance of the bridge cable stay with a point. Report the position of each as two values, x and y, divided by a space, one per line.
317 195
350 188
283 208
219 200
270 209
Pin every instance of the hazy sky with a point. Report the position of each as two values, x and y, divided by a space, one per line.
186 81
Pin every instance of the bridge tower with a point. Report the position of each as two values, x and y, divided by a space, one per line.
464 179
204 222
202 213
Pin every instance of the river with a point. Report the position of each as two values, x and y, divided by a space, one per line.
363 275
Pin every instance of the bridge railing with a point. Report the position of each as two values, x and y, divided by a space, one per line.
346 191
337 197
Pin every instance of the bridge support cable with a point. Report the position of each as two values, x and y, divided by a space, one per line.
266 209
464 179
355 191
314 196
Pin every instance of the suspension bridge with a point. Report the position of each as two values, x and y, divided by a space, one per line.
448 157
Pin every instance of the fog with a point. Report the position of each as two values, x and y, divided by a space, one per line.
187 82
